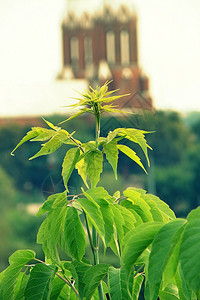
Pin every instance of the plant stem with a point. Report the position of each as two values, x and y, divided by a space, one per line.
66 280
94 232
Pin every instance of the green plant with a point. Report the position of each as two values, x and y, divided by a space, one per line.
152 244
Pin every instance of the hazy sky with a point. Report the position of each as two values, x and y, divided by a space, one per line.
30 53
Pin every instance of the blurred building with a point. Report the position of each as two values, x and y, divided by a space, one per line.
100 43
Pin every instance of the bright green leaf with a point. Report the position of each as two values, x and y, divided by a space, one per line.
162 248
40 282
117 280
69 163
189 252
93 277
93 212
74 234
94 162
139 239
111 152
30 135
137 283
17 261
130 153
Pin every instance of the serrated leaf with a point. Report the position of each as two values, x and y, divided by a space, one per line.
17 261
130 153
74 234
45 135
111 151
51 233
31 134
117 280
40 282
92 279
162 248
53 201
94 214
189 251
69 163
49 147
94 162
139 239
136 136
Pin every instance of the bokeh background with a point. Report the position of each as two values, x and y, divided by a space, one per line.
31 56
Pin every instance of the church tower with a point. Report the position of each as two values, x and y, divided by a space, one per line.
100 43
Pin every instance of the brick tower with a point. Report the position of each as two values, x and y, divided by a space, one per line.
100 44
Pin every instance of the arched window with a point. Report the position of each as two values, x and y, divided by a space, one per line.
125 47
88 50
110 47
74 51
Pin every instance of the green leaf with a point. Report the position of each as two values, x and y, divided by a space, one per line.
185 290
189 252
51 233
107 214
111 152
162 248
57 287
17 261
80 269
81 166
93 277
53 201
130 153
102 198
117 280
40 283
136 136
45 135
137 283
74 234
69 163
138 240
129 219
118 223
93 212
31 134
166 212
21 286
94 162
137 212
169 293
139 204
49 147
51 125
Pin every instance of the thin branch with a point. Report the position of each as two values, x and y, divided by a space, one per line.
66 280
77 144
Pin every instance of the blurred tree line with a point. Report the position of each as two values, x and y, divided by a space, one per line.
174 174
